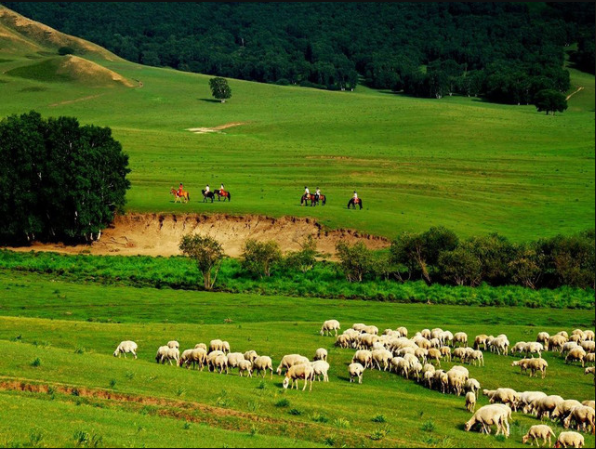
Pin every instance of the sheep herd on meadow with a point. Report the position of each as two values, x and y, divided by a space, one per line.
419 358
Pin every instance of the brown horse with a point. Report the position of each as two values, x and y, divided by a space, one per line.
353 203
227 196
184 198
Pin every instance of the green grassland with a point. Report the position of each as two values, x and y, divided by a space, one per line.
463 163
61 335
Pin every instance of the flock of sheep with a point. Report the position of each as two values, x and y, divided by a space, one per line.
419 358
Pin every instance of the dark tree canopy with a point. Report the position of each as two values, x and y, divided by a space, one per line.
551 101
221 89
58 180
506 51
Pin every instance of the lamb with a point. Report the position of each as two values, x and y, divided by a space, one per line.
365 358
262 365
167 354
471 401
356 371
321 370
321 355
538 433
297 373
460 339
570 439
329 327
491 415
577 355
473 386
291 360
546 406
245 366
583 417
127 347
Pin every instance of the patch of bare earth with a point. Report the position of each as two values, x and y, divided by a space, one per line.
217 129
156 235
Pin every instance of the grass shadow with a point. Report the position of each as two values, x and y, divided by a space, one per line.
210 100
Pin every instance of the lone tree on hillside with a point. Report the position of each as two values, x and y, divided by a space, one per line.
221 89
550 100
58 180
208 255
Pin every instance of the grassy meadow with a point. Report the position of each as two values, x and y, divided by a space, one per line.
463 163
58 343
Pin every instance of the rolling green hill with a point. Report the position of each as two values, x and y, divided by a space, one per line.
460 162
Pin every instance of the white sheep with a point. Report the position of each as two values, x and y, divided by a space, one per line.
221 363
216 346
584 417
321 370
251 356
546 406
356 371
296 374
202 346
381 359
544 338
570 439
471 402
321 355
235 359
589 335
491 415
563 409
174 345
226 347
588 346
591 404
403 332
538 433
504 396
473 386
460 339
167 354
527 398
365 358
291 360
576 355
262 365
534 349
480 341
477 358
245 366
127 347
331 326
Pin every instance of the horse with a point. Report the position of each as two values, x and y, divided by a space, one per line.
313 200
223 194
185 197
208 196
353 203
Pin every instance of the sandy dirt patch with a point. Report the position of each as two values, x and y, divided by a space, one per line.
217 129
156 235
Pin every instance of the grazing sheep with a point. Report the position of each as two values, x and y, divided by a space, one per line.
127 347
226 348
500 345
186 359
557 342
564 335
473 386
544 338
563 410
589 335
481 340
321 355
365 358
461 354
359 327
465 372
343 342
403 332
590 359
568 347
534 349
198 359
519 348
296 374
538 433
546 406
321 370
426 334
528 398
504 396
356 371
580 334
262 365
445 353
434 355
251 356
570 439
202 346
591 371
523 364
221 363
174 345
291 360
471 402
460 339
245 367
576 355
457 382
211 360
216 346
477 358
167 354
235 359
591 404
371 330
588 346
381 359
491 415
583 417
329 327
538 365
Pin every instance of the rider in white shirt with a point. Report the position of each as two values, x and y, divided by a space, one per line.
207 190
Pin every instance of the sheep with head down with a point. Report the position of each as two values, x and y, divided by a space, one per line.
356 371
471 401
545 406
291 360
491 415
473 386
245 366
263 365
127 347
538 433
321 355
297 373
321 370
570 440
330 327
583 417
528 398
563 409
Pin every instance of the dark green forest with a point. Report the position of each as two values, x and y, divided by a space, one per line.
504 51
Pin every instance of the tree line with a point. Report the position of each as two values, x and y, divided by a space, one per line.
59 181
504 51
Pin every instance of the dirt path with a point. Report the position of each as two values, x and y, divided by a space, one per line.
79 100
575 93
217 129
156 235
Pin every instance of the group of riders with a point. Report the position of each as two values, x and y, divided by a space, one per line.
318 196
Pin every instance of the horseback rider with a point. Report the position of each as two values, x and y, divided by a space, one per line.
181 190
207 190
318 194
222 189
306 193
356 200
